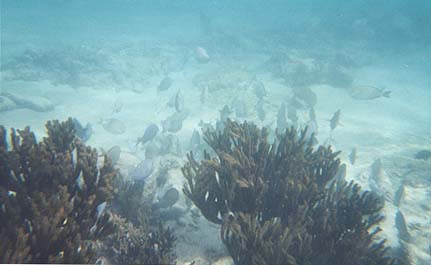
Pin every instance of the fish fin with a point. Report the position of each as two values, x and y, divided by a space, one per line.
387 93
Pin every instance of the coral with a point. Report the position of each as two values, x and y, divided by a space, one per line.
49 197
139 238
280 203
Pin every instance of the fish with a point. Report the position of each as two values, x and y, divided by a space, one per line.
80 181
341 173
312 114
352 156
179 101
149 134
201 55
165 84
173 123
376 170
114 154
224 113
335 120
83 133
259 89
281 118
143 170
195 140
114 126
423 154
368 92
170 197
101 209
399 194
259 110
401 225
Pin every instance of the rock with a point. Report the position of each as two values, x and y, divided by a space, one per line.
224 261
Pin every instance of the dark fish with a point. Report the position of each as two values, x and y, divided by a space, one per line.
423 154
352 156
259 89
260 111
143 170
114 154
281 118
165 84
84 133
170 198
179 101
149 134
401 225
335 120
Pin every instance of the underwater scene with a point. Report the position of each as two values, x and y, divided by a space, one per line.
215 132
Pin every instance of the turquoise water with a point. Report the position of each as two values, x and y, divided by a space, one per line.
99 61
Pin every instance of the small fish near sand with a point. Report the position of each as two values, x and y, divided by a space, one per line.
83 133
149 134
201 55
352 156
143 170
165 84
368 92
114 126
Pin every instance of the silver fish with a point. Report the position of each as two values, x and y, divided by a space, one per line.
165 84
179 101
335 120
172 124
399 194
368 92
401 225
101 209
341 173
352 156
143 170
114 154
259 89
195 140
114 126
149 134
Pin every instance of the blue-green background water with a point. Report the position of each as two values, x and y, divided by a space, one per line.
87 58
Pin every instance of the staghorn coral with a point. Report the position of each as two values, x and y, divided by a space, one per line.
49 197
280 203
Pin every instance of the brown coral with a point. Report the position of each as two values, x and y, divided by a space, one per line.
280 203
49 194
